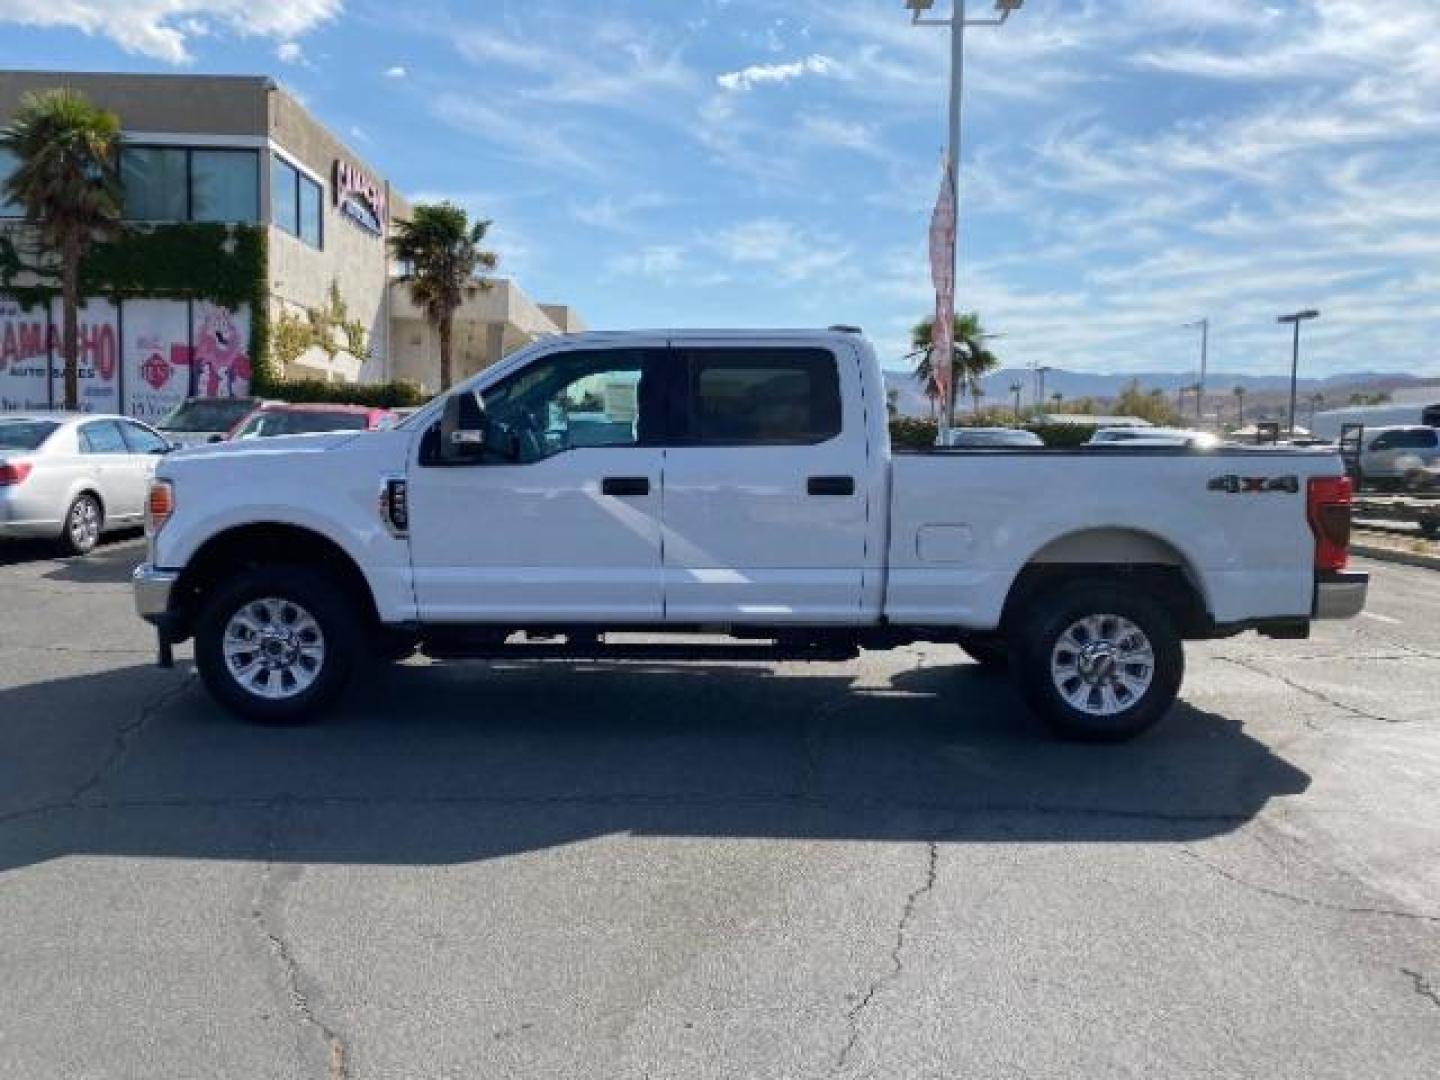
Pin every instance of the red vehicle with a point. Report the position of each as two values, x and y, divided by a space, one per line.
279 418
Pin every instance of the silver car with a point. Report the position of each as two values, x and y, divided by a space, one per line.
1396 457
72 477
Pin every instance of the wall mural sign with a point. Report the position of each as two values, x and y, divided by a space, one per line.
156 351
24 357
360 198
222 350
98 366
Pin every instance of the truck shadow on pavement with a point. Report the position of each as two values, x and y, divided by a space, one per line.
453 763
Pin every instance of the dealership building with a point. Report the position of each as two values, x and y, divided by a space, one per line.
240 152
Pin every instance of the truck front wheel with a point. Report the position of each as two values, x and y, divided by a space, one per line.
1098 661
277 644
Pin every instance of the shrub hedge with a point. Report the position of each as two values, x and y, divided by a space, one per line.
391 395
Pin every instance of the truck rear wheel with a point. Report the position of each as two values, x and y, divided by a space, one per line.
277 644
1097 661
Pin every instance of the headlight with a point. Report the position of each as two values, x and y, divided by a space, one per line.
159 506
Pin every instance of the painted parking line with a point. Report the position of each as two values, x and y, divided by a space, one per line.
1381 618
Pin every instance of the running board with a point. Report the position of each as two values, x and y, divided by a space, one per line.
457 648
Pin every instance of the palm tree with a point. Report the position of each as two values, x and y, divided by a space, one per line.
1239 393
67 179
971 362
443 262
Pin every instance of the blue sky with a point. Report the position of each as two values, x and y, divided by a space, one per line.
1130 165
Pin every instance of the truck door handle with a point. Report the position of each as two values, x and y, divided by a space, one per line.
625 487
830 485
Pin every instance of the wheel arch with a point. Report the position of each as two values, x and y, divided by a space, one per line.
1133 556
260 543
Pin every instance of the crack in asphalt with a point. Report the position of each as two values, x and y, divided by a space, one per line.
1423 986
265 912
125 737
1304 901
1251 666
897 955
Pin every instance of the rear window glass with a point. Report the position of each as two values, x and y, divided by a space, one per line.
25 434
763 397
1418 439
207 414
265 425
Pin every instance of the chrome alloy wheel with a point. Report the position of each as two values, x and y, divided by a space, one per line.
84 524
1102 665
274 648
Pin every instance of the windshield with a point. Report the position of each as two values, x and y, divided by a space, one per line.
207 414
264 425
25 434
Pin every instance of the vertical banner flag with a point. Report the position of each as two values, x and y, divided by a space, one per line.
24 356
157 357
98 363
222 350
942 273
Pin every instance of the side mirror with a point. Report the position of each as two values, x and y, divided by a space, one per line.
463 429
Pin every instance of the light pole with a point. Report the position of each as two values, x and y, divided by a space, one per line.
957 24
1040 373
1015 388
1204 325
1296 319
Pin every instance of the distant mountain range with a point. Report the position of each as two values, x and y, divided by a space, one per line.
1262 391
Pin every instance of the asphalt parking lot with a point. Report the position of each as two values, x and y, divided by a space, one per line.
757 871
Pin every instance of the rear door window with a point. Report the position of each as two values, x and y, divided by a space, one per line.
102 437
759 397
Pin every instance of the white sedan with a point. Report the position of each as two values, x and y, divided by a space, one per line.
72 477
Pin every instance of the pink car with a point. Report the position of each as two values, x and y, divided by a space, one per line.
276 418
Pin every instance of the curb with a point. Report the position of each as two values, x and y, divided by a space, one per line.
1389 554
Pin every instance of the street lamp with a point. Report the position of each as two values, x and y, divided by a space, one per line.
1040 373
957 24
1296 319
1204 325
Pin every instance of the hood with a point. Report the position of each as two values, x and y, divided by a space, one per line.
278 446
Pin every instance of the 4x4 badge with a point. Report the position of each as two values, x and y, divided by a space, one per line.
1255 485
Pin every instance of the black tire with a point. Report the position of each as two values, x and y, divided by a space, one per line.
990 655
308 590
83 524
1037 643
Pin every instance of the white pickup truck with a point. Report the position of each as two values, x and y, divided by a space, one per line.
740 484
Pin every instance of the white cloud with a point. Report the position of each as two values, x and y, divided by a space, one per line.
396 71
544 145
760 74
162 29
658 262
784 250
617 213
290 52
828 130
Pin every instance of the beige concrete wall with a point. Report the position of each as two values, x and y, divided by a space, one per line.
185 104
352 257
488 327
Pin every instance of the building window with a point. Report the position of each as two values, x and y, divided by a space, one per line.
7 166
224 185
155 182
310 211
174 183
284 196
295 202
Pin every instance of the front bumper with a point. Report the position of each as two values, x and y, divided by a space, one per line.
153 589
1341 595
